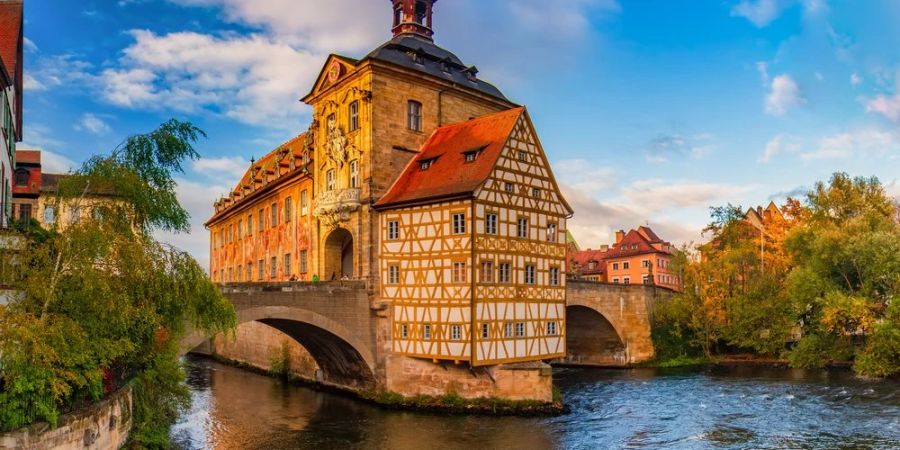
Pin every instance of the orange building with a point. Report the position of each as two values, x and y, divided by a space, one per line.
261 232
639 256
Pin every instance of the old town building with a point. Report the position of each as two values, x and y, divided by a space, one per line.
11 88
424 181
637 257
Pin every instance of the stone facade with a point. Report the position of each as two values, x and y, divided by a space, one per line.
256 344
104 425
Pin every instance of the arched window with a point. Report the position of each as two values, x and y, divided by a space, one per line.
22 177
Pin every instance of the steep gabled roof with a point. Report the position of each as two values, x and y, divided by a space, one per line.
584 258
634 243
449 175
649 234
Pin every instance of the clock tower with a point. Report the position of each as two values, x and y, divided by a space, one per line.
413 17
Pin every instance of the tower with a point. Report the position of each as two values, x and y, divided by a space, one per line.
413 17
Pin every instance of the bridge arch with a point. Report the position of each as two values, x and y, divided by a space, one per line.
345 360
591 339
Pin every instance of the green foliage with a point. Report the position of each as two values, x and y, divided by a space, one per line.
100 302
280 361
881 356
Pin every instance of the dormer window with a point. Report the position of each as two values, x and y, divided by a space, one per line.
426 164
470 156
445 66
471 73
416 56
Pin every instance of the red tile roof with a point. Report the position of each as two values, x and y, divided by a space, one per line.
583 259
28 157
635 243
450 175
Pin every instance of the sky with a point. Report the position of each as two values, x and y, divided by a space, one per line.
650 111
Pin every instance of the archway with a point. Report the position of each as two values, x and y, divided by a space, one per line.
338 253
591 340
344 360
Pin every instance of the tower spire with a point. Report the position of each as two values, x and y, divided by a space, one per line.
413 17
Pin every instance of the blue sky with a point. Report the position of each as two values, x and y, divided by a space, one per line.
651 111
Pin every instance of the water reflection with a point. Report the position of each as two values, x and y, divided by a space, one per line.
716 409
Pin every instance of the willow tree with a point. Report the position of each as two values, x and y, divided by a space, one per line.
98 302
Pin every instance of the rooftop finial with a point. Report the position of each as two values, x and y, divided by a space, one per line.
413 17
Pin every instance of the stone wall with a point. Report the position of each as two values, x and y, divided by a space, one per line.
102 426
527 381
255 344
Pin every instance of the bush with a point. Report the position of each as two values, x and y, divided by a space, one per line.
881 357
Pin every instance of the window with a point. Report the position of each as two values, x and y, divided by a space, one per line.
551 328
592 265
49 214
490 223
459 272
554 276
523 156
505 275
21 177
459 223
509 187
634 246
249 271
288 209
393 230
470 156
535 192
626 265
354 174
240 228
508 330
414 116
615 266
273 267
304 264
394 275
304 203
404 331
354 115
274 210
262 270
250 225
426 164
529 274
329 180
645 279
485 331
523 228
615 281
426 332
239 273
520 329
626 280
455 332
24 211
262 220
230 275
551 233
487 271
645 263
287 265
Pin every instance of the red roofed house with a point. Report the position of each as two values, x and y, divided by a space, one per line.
639 256
11 83
473 246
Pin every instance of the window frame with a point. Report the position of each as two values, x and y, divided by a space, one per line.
393 230
522 228
490 226
530 274
393 277
458 222
504 276
288 209
354 174
459 272
487 272
353 116
414 115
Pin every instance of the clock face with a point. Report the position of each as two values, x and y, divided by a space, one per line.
334 72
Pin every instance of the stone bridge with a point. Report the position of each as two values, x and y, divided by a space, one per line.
338 325
609 325
333 321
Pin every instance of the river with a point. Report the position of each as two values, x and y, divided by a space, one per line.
744 408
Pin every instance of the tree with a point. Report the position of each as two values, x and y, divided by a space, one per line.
100 302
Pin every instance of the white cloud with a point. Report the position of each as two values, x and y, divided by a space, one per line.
32 84
763 68
52 162
233 167
583 176
664 147
868 142
30 46
782 143
785 94
569 18
92 124
887 106
251 79
855 79
197 199
758 12
654 196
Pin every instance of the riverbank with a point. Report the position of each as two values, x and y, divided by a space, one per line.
734 361
449 404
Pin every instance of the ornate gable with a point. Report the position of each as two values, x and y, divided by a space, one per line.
336 68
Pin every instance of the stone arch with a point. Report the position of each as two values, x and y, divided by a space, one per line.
339 255
344 359
592 339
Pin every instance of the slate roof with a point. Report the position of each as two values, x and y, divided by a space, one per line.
449 175
435 60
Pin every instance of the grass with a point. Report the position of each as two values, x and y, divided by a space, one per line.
679 361
453 403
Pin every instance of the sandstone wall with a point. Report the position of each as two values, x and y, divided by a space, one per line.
255 344
102 426
527 381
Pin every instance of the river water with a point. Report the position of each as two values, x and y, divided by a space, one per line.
745 408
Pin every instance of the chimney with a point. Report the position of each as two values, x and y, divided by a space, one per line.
604 248
620 235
